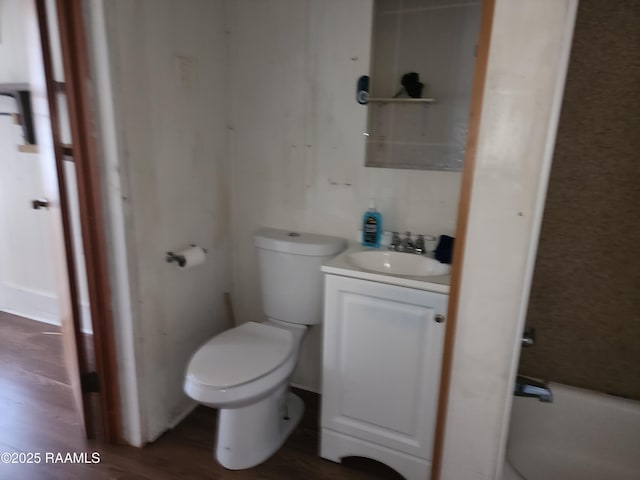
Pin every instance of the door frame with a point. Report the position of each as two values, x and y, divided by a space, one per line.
506 171
475 112
103 420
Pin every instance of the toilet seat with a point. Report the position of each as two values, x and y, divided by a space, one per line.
240 355
242 365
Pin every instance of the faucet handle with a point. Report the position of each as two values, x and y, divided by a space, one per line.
419 246
407 245
529 337
395 241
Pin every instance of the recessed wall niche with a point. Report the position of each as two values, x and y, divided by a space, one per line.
437 40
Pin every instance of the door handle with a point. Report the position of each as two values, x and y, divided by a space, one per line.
39 203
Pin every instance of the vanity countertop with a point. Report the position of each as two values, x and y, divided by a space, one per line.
340 265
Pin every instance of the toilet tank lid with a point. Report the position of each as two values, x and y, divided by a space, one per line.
298 243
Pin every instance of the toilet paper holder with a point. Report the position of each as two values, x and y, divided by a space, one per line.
172 257
179 259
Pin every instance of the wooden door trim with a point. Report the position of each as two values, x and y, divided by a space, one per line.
65 210
88 173
477 94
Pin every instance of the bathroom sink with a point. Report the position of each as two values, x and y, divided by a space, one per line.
398 263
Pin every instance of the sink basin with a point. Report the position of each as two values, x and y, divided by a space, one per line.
398 263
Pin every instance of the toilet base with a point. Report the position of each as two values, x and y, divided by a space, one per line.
249 435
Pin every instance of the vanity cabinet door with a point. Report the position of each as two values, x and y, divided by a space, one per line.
381 363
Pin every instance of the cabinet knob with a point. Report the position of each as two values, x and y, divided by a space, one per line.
439 318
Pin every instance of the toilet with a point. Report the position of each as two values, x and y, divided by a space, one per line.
245 371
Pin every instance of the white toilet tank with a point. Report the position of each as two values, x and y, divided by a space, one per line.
289 262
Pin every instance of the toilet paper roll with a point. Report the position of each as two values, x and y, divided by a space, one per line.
193 257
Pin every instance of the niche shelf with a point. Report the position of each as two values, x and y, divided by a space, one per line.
28 148
21 93
401 100
363 98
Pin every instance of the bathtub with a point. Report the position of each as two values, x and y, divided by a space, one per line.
581 435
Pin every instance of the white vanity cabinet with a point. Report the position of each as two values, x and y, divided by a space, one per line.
381 373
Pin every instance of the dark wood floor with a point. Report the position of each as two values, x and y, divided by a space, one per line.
36 415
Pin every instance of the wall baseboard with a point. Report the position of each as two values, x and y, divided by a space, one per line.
39 306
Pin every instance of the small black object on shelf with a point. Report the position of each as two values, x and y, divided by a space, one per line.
412 85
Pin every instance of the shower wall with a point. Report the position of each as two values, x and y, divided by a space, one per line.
585 298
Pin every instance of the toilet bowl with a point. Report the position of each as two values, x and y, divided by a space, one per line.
245 371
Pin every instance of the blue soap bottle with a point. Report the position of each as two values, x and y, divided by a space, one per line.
371 226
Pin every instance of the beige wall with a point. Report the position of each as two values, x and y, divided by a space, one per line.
298 144
585 299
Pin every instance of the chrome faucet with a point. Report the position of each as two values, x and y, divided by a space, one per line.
528 387
529 337
407 244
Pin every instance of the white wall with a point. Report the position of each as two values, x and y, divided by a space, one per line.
27 276
14 66
297 146
530 45
169 186
26 269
